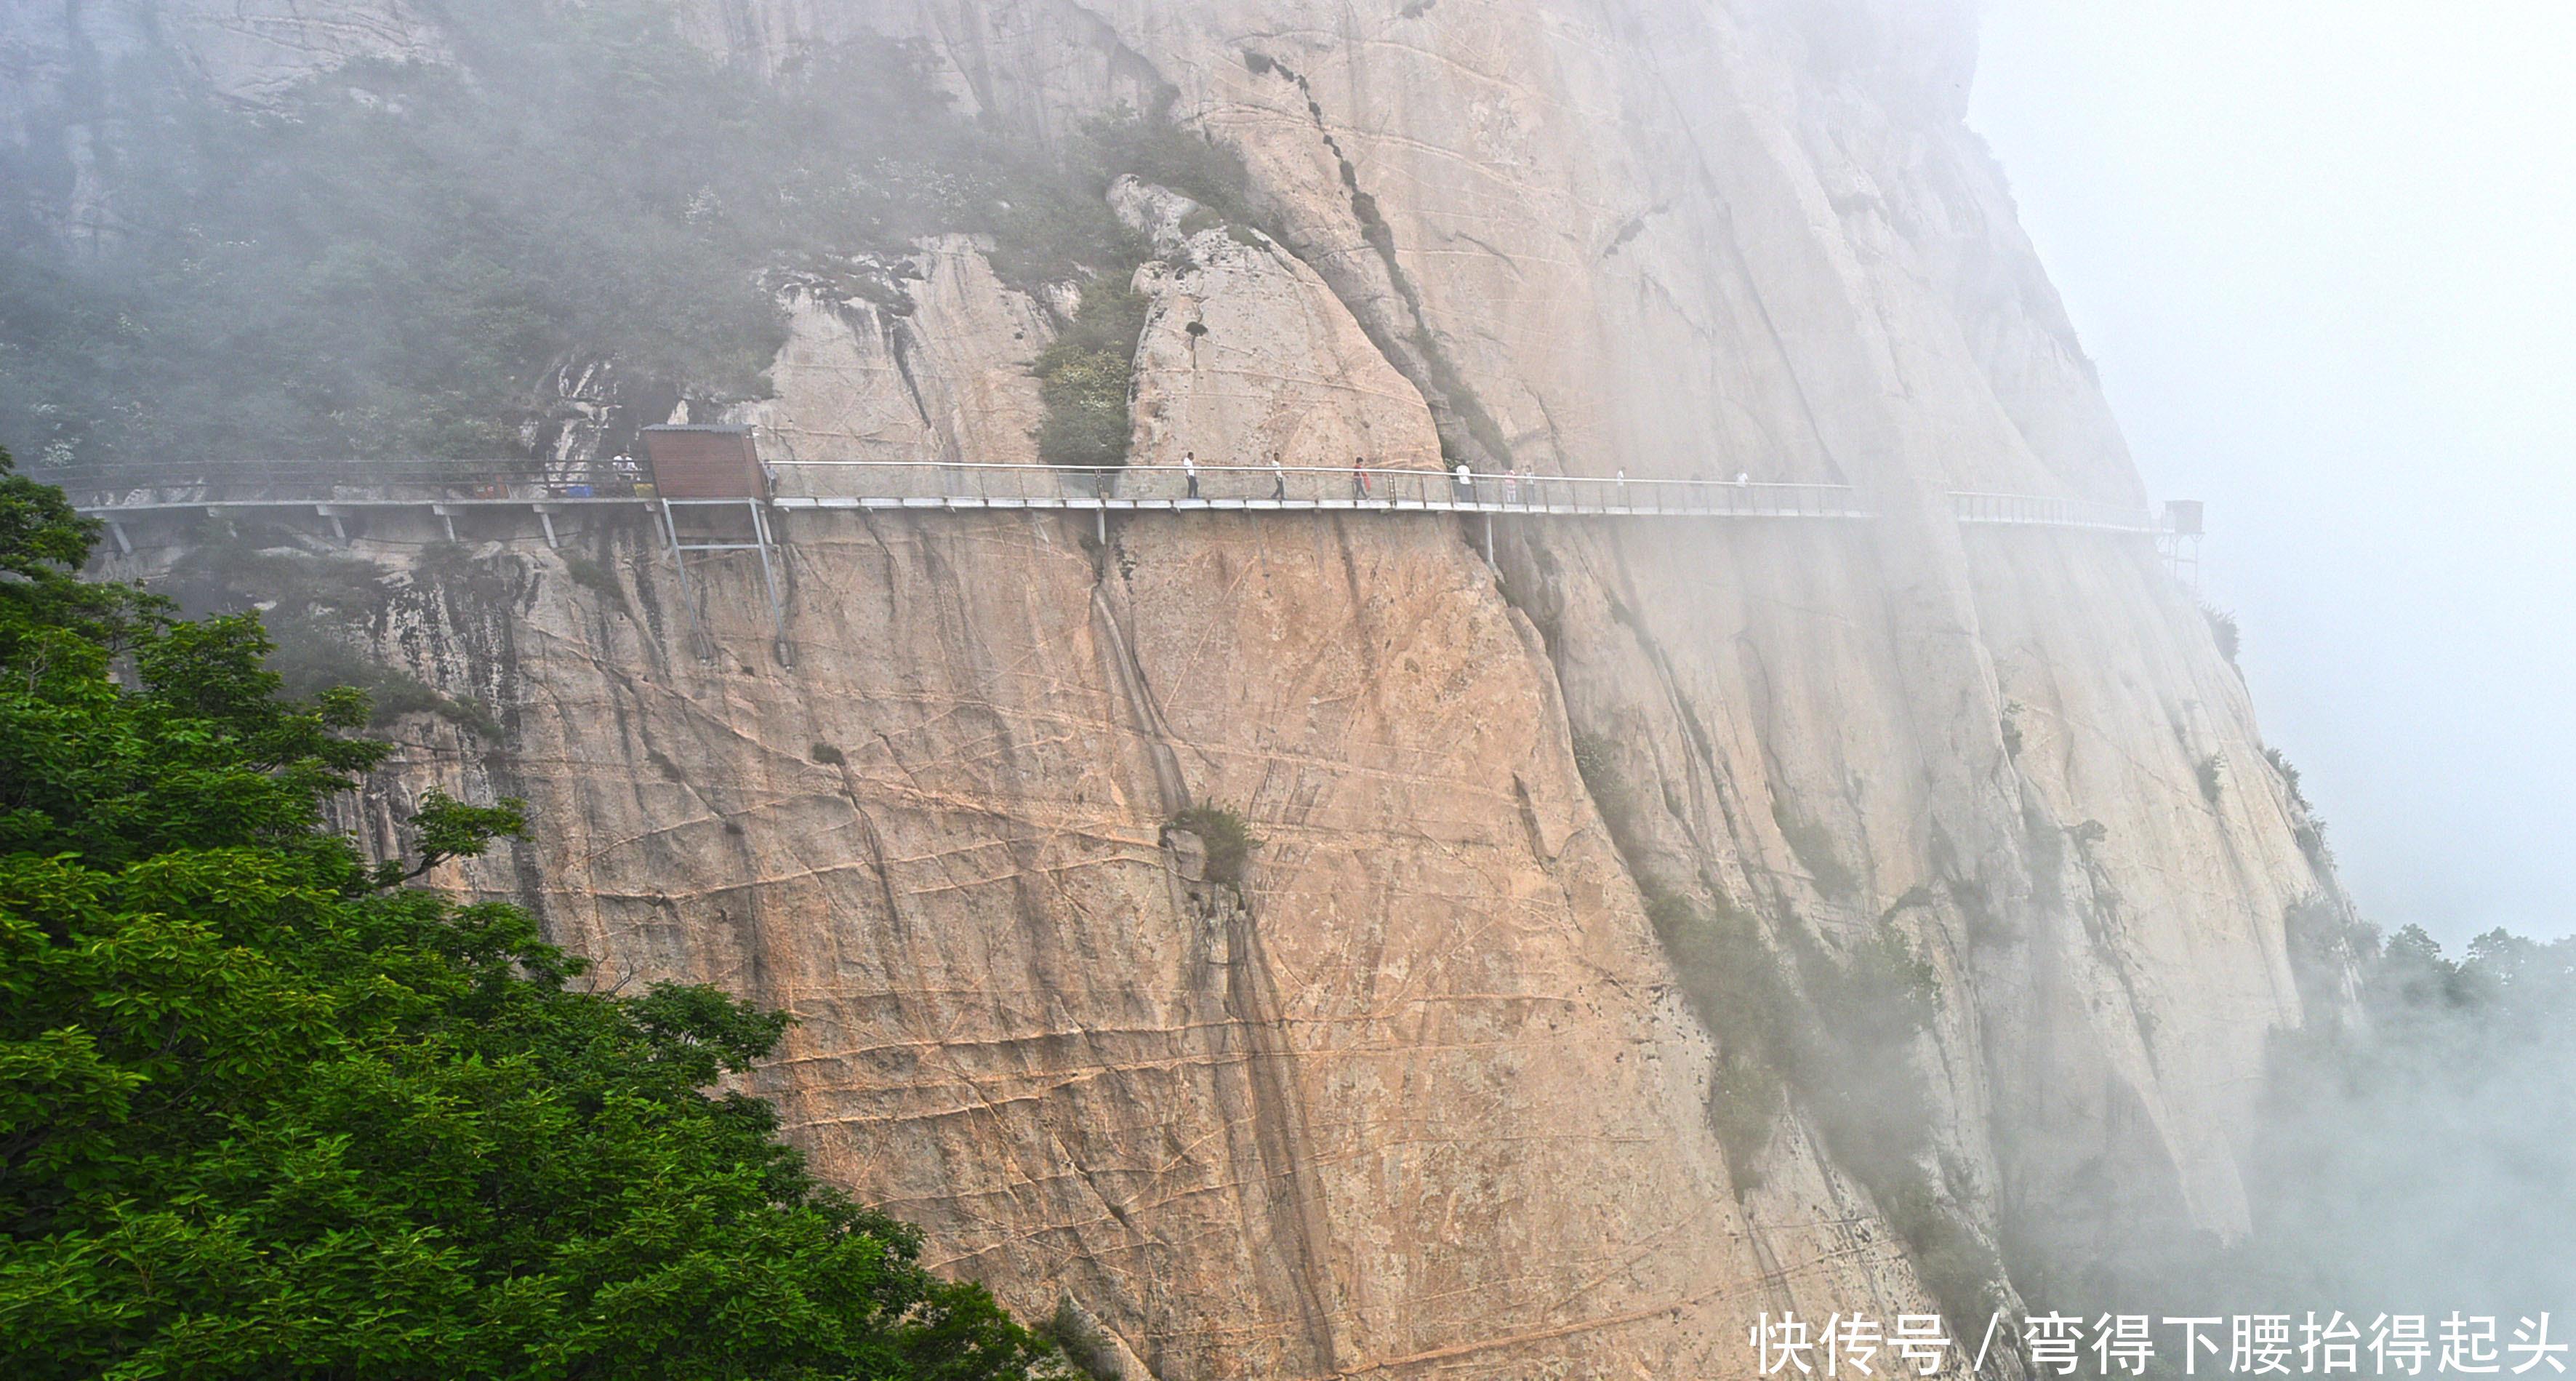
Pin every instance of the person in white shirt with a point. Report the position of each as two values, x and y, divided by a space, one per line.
1190 471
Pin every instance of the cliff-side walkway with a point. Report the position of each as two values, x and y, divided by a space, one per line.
338 491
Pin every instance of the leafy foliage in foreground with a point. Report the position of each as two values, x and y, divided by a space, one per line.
265 1113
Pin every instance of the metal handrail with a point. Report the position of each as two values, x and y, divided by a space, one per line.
2046 510
993 483
1362 487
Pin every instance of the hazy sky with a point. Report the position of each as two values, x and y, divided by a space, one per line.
2324 252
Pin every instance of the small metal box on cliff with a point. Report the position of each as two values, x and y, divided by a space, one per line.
703 462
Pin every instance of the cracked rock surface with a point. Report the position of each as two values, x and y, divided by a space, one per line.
1420 1095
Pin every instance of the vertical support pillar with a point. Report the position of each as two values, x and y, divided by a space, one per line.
1489 539
546 517
769 580
688 600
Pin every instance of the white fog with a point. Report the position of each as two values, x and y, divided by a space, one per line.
2324 254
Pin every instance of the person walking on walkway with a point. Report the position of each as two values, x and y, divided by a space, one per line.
1466 483
1359 478
1190 471
1511 486
1278 479
1623 486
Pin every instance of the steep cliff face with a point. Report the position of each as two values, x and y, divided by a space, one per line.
1416 1096
1697 240
1422 1094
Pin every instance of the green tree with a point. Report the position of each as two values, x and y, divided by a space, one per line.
265 1112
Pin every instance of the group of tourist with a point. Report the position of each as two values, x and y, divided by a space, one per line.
619 476
1517 483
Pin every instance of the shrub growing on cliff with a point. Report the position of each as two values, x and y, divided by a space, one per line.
266 1112
1855 1070
1227 837
1041 239
2290 781
1154 149
1085 375
2223 631
596 576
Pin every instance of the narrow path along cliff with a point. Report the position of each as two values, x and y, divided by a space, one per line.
1860 887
